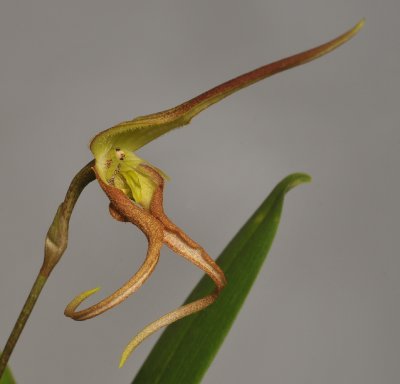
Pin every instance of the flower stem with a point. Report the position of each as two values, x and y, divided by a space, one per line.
22 319
55 244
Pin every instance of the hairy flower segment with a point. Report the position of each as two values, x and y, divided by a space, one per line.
135 190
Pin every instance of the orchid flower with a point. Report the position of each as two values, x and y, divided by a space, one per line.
135 190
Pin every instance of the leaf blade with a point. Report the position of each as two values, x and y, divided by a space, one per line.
186 349
7 377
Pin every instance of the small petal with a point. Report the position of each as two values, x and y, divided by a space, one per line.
122 169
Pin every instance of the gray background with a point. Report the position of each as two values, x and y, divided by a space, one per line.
325 308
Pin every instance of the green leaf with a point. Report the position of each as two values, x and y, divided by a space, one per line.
7 377
187 348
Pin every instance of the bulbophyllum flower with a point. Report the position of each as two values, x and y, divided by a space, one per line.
135 190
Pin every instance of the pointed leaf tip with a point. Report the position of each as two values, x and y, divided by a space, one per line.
294 180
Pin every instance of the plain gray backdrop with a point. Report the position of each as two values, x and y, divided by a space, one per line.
325 307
